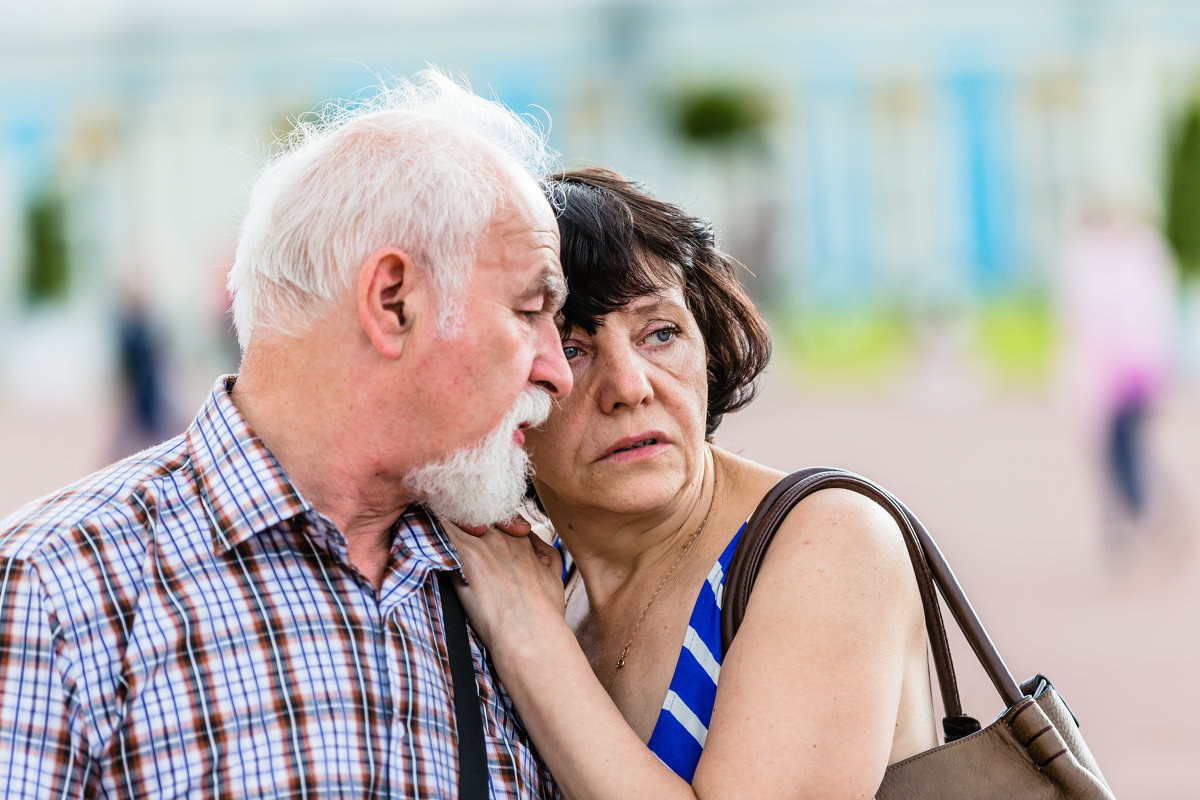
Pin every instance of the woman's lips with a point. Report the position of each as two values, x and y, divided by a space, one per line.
643 453
636 448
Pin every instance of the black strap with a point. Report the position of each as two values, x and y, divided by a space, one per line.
472 756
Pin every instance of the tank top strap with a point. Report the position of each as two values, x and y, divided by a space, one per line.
682 725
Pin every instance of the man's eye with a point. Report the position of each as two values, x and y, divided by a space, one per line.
571 352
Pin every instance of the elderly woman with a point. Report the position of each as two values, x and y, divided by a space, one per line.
619 677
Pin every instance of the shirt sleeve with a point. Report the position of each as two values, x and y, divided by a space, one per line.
39 755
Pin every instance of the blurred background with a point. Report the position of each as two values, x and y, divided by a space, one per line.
974 227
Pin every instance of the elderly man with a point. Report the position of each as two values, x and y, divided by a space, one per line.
251 608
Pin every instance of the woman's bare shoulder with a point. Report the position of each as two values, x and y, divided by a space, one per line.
839 521
745 481
846 531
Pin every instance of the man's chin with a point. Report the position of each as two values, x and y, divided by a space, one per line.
484 483
474 491
472 514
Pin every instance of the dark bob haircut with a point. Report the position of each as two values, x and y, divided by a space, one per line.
616 239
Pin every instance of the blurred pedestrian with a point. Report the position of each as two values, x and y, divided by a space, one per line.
140 361
1118 303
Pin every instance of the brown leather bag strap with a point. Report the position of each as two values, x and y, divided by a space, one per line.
760 530
929 566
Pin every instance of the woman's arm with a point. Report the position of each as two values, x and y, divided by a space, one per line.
808 694
515 603
810 689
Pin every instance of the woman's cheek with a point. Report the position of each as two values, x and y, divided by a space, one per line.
543 443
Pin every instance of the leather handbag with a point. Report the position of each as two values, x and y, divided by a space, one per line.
1032 751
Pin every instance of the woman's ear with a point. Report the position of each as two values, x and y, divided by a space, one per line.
387 282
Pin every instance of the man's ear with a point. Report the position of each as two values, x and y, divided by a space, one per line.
387 282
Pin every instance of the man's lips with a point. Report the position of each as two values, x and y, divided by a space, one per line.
519 434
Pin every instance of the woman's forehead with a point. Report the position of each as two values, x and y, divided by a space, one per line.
598 286
668 301
669 297
663 270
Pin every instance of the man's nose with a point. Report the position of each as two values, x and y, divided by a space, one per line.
550 368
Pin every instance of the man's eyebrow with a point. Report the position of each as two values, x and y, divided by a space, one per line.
555 290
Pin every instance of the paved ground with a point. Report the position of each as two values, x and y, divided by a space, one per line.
1005 489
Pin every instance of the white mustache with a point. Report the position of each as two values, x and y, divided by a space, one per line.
531 408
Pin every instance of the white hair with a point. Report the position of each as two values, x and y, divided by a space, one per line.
423 166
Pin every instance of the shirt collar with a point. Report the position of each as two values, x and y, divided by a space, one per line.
242 486
419 536
245 490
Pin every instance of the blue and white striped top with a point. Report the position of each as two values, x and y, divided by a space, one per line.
682 726
678 736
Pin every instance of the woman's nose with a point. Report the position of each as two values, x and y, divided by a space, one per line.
624 380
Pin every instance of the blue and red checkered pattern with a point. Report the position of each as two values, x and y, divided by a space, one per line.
184 623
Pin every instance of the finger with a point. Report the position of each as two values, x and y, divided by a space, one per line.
474 530
547 554
517 526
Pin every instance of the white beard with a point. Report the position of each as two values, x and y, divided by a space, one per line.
485 482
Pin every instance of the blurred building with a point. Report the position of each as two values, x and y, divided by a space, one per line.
915 152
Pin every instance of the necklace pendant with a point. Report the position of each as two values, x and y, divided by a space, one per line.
620 662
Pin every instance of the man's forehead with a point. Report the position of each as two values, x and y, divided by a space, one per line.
526 215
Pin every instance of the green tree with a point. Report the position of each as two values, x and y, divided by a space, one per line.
46 264
1183 193
728 123
721 116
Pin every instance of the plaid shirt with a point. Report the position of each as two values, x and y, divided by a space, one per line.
185 623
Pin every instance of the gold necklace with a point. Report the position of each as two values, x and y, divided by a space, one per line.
687 546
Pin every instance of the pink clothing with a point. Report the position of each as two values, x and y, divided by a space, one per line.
1119 308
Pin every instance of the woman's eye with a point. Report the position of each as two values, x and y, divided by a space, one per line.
663 335
571 352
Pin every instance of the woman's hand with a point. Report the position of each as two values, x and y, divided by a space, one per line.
515 603
517 526
514 583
